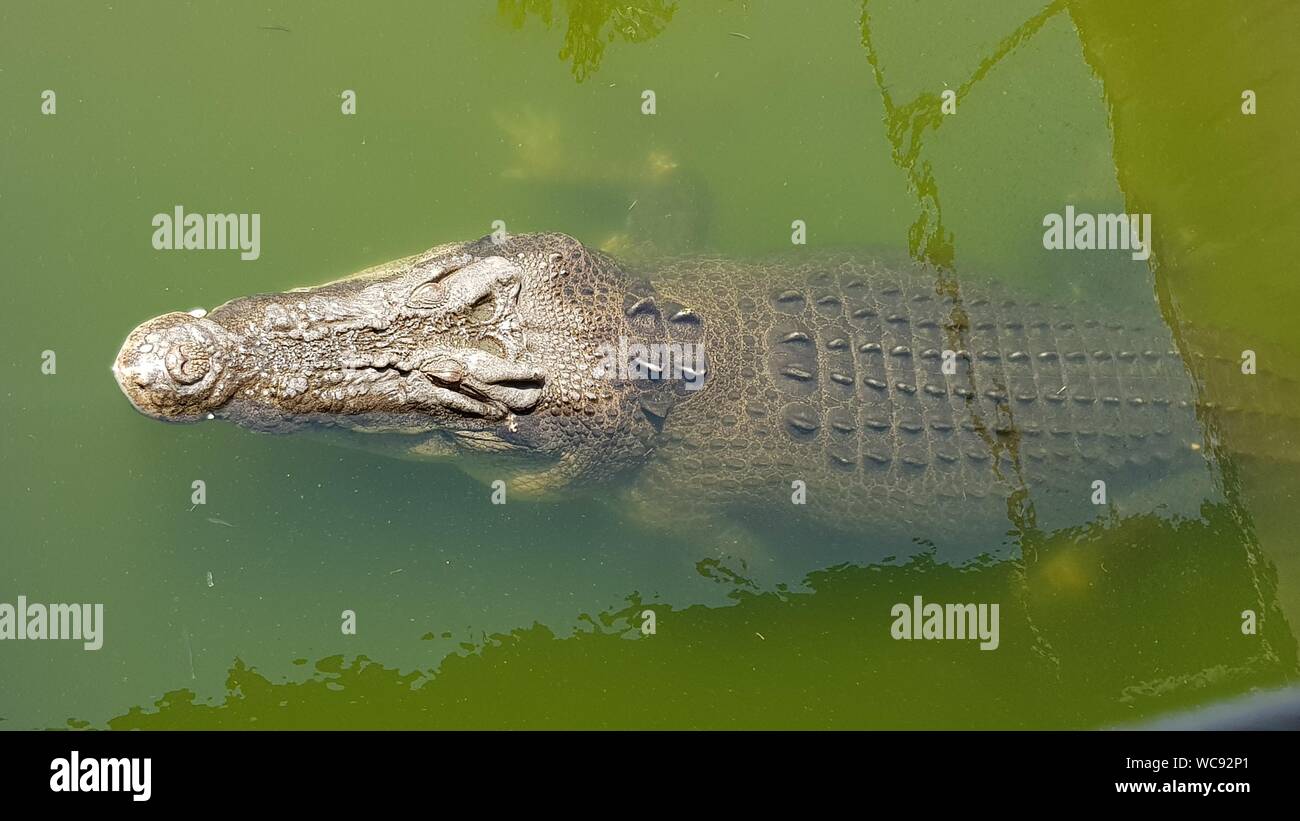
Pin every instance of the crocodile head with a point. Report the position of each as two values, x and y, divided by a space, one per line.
490 348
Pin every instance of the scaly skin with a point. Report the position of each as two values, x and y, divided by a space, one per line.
831 372
827 372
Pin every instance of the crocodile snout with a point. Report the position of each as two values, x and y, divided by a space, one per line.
171 367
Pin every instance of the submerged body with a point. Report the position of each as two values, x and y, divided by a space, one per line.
891 395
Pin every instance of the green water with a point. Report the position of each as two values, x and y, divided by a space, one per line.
529 112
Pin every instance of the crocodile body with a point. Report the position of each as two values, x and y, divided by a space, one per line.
832 373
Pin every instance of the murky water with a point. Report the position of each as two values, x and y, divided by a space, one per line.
468 614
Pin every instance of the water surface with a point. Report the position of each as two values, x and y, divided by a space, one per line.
471 615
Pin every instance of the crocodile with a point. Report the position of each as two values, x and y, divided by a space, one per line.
884 392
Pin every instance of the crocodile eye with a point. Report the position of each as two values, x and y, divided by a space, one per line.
187 364
428 295
444 296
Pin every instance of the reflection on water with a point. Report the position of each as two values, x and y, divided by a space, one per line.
1101 625
590 24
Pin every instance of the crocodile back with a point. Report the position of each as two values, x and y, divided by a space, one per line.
894 395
